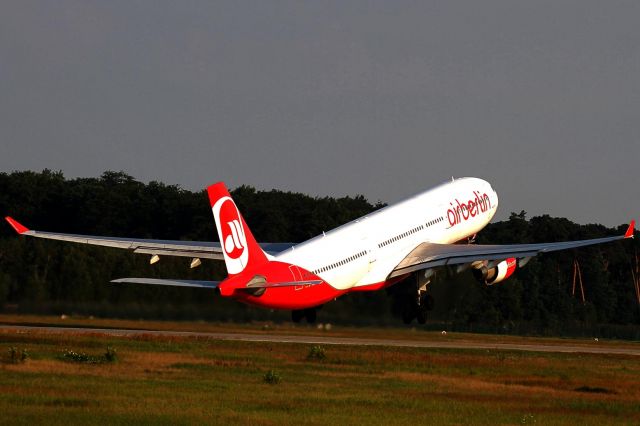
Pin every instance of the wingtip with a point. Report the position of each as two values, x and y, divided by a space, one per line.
17 226
630 230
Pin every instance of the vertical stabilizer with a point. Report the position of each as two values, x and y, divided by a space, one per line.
239 247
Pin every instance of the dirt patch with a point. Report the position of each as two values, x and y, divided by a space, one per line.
594 389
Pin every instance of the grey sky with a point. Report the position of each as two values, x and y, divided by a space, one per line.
383 99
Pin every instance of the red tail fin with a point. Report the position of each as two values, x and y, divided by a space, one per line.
239 247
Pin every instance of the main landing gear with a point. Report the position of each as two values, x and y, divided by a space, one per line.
415 301
309 314
417 308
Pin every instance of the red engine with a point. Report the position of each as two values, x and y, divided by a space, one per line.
496 274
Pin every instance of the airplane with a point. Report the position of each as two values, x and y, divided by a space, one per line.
409 240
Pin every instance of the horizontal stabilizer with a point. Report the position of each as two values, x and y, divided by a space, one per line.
176 283
283 284
210 284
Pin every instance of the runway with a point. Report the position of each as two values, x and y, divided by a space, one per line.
592 348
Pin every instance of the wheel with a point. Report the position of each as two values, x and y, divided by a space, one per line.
311 315
427 302
296 315
422 315
407 315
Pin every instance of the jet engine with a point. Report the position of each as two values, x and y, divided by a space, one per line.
495 274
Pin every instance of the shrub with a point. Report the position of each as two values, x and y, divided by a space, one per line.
110 355
528 419
69 355
17 356
317 352
272 377
13 354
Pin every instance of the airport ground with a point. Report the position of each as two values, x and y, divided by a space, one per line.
183 373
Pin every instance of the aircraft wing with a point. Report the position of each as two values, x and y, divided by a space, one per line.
431 255
199 249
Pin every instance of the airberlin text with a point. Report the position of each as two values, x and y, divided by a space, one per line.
463 211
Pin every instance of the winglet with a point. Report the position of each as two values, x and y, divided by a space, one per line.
630 230
17 226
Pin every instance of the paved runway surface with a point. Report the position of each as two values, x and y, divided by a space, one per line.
595 348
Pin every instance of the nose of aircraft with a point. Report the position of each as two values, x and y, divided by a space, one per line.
494 202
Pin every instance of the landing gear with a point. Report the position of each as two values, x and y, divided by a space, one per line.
408 314
297 315
426 304
310 314
417 309
416 301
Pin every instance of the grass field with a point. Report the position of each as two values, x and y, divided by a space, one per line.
185 380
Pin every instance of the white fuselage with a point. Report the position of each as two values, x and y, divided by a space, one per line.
365 251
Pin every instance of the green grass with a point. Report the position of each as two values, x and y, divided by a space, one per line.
175 380
186 380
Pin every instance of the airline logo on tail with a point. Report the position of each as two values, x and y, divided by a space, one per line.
232 235
233 242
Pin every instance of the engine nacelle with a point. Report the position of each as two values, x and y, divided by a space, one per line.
498 273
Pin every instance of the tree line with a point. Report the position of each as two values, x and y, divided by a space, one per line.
39 276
